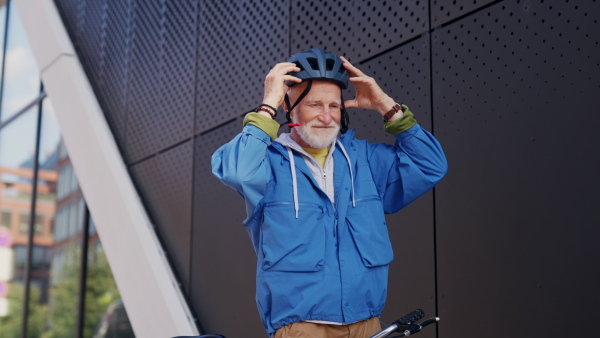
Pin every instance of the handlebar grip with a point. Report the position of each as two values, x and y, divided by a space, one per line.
411 317
430 321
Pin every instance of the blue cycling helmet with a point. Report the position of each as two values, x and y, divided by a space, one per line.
318 64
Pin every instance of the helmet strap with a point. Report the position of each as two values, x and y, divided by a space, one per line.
287 102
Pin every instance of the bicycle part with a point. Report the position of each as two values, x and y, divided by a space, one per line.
406 325
411 317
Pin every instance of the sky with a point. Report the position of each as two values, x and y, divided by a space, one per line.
21 86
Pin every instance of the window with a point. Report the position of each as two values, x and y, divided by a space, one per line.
6 218
24 223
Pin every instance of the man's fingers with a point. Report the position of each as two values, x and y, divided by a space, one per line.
351 69
363 79
291 78
281 74
285 64
351 103
286 67
283 68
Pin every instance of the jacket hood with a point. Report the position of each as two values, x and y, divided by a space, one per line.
288 143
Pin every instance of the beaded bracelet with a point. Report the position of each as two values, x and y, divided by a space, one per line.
268 109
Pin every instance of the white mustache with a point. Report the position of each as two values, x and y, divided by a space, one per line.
332 124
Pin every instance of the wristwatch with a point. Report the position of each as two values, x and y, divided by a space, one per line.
392 112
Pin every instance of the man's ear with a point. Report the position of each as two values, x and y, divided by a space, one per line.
285 107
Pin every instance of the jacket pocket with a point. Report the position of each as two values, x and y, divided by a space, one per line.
367 226
293 244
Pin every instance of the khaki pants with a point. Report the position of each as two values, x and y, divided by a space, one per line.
363 329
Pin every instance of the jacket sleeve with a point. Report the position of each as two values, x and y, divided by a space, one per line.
242 165
408 169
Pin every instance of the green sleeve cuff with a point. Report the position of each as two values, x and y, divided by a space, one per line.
402 124
266 124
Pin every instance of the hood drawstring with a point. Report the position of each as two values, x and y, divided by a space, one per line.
294 182
350 167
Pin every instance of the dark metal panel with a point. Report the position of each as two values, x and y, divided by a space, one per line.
325 24
443 11
115 66
162 76
69 11
91 43
381 25
240 41
104 48
404 75
356 29
164 184
147 28
514 102
101 33
411 282
223 260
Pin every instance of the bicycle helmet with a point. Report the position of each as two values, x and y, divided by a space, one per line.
318 64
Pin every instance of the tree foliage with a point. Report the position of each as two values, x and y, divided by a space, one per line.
10 325
59 317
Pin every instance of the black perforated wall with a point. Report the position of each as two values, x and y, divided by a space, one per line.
443 11
104 32
515 86
509 88
403 73
356 29
167 192
224 287
161 93
231 69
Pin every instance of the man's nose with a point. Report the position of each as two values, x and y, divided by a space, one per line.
325 116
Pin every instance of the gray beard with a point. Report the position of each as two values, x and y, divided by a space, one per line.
317 138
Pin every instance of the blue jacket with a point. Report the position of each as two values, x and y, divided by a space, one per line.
331 262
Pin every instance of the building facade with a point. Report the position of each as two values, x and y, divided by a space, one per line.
145 91
55 280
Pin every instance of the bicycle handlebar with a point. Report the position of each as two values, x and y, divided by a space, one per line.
407 325
411 317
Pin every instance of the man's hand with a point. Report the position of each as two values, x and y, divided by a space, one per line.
275 87
368 93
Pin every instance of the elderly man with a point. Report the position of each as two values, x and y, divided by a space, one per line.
316 200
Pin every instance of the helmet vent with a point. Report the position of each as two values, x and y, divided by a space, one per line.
299 65
314 64
329 64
